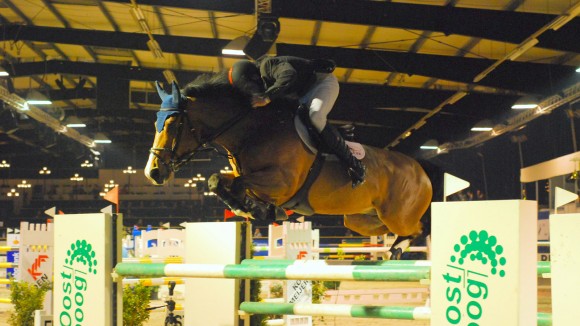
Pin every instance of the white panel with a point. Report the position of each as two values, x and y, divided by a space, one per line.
83 261
564 244
36 256
559 166
212 301
484 263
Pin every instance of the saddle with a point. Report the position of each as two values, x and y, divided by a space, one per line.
310 137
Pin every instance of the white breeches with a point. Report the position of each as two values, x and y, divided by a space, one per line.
320 99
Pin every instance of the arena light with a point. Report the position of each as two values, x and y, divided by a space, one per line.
34 97
526 102
484 125
74 122
236 46
431 144
268 28
13 193
100 138
262 42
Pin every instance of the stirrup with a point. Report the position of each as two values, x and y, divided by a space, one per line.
356 179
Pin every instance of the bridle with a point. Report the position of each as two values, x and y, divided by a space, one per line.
176 162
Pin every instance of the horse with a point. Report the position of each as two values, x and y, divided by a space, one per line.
272 163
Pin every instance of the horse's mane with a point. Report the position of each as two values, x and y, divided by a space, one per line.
215 85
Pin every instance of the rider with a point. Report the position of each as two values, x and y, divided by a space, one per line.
310 81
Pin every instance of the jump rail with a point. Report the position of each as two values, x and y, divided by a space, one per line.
359 311
9 248
8 265
153 281
543 267
164 260
282 270
295 270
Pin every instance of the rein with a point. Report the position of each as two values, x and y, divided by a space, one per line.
175 163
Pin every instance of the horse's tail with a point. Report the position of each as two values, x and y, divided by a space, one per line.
435 174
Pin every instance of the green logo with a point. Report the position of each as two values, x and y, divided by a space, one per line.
82 252
476 258
79 265
483 247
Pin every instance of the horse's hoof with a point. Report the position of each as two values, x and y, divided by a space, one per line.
396 253
386 255
241 213
259 212
280 214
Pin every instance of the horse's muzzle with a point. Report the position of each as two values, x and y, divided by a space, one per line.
155 176
155 172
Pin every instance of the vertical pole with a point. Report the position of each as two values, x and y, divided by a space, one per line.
484 174
522 191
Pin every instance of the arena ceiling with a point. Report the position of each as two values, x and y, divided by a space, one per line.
410 71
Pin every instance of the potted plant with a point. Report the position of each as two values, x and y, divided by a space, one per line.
26 298
135 304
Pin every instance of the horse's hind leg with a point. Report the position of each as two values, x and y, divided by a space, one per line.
401 244
371 225
365 224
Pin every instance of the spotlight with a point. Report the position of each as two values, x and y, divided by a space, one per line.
269 28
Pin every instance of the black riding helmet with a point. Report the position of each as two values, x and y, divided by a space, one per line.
245 75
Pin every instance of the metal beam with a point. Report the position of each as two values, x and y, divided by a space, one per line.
511 27
95 69
435 66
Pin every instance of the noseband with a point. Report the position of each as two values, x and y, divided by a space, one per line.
176 162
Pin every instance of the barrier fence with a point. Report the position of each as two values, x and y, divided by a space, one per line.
317 270
298 270
358 311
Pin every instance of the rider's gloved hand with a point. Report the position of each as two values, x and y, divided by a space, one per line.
260 100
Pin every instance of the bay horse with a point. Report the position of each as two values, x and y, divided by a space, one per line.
271 163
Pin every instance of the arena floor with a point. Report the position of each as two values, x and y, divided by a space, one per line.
157 316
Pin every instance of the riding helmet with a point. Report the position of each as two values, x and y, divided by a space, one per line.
245 75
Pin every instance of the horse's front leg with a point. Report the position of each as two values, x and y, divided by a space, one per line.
232 192
220 184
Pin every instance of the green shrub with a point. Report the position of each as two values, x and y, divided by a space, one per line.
26 298
276 290
135 304
318 290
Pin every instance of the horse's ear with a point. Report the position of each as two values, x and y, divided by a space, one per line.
160 90
175 92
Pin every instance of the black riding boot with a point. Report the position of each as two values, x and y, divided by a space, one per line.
336 144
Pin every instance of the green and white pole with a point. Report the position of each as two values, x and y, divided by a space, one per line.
280 270
543 267
337 262
337 310
357 311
